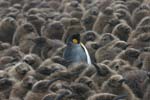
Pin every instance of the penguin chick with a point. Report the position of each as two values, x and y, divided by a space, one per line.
102 19
39 90
73 6
108 52
132 5
89 18
33 60
75 71
139 13
37 22
63 94
59 60
125 15
4 45
89 36
54 30
145 21
40 43
115 84
44 71
23 37
122 31
116 64
105 41
44 47
58 85
14 52
20 89
89 82
6 61
111 24
129 55
103 72
135 80
5 88
80 91
106 38
7 29
20 70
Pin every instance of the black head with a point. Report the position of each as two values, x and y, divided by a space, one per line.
74 39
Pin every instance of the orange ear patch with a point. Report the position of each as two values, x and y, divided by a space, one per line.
75 41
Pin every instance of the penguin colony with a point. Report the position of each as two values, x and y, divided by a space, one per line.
35 64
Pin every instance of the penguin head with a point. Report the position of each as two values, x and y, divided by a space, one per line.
74 39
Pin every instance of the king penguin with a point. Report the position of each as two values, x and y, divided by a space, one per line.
75 51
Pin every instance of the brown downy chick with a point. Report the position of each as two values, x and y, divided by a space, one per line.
40 89
109 51
122 31
54 30
102 20
20 89
103 72
124 15
45 47
4 45
14 52
79 91
6 61
130 55
7 29
37 22
46 71
142 40
73 6
89 17
63 94
20 70
116 64
115 84
89 82
23 37
100 42
135 80
33 60
58 85
72 73
5 86
89 36
139 13
111 24
132 5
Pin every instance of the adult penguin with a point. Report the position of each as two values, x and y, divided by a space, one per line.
76 52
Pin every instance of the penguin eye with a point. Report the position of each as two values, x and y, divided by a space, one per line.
75 41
